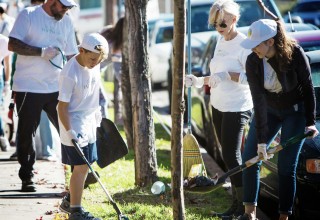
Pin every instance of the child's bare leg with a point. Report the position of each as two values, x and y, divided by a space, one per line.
77 180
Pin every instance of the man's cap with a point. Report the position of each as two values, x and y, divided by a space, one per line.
258 32
93 41
68 3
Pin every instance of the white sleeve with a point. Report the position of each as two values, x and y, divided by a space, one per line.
21 26
66 85
243 59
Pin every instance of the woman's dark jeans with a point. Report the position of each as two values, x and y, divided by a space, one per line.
292 122
229 127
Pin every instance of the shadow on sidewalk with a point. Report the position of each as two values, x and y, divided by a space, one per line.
29 195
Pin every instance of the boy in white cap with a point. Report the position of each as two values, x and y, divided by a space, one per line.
79 114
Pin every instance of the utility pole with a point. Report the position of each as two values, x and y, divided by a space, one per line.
110 11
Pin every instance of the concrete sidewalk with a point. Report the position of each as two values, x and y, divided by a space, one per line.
41 205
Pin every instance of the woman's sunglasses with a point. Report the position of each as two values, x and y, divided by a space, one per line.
222 25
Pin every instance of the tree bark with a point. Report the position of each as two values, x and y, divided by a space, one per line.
125 86
143 125
178 108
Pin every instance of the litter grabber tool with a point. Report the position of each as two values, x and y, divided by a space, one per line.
203 184
115 206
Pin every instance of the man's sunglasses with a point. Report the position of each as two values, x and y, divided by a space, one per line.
222 25
65 7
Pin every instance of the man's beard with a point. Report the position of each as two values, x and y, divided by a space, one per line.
56 14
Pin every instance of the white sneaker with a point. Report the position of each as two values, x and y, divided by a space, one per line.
4 144
51 158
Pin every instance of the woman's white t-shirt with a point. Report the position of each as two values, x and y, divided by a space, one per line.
230 96
79 86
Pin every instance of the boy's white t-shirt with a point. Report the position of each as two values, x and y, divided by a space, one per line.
35 27
230 96
79 86
3 51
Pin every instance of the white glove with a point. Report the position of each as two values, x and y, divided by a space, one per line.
72 135
216 78
313 129
262 150
192 80
6 88
49 52
98 116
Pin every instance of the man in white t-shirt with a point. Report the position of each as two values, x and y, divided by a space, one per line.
42 36
79 115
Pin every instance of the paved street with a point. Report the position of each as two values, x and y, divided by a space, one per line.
41 205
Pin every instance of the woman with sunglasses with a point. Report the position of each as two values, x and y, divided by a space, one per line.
230 94
283 96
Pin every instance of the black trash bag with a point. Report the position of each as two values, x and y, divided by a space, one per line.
110 144
199 181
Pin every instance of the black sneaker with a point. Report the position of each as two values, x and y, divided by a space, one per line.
65 205
28 186
82 216
14 156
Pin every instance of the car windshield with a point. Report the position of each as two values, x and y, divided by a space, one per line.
312 6
164 35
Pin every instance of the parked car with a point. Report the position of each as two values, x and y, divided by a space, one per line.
152 22
160 46
306 11
204 130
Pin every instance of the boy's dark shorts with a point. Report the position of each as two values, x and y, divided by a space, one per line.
71 157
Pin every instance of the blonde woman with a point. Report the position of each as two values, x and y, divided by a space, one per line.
230 94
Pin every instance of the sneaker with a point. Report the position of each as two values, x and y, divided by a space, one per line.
51 158
4 143
82 216
14 156
65 205
245 216
28 186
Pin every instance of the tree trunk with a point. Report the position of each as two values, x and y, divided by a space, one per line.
143 125
125 86
178 108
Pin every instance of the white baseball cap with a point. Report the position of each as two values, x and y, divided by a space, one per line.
258 32
68 3
92 40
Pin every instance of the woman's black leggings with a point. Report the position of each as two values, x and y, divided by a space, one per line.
229 127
